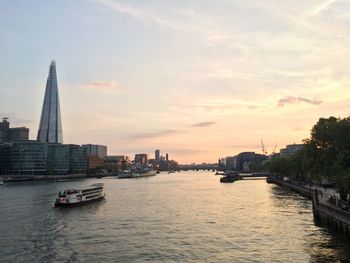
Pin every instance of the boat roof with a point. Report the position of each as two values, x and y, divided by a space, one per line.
87 187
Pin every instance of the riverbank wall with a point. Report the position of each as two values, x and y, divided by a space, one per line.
331 216
24 178
306 192
326 214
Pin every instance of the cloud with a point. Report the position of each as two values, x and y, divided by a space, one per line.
15 120
204 124
185 151
101 86
322 7
296 100
138 13
155 134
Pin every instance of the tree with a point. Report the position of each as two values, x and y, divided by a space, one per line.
279 165
329 151
326 154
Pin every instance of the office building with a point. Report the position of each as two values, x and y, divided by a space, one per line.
4 127
18 134
97 150
157 155
115 162
58 159
50 129
38 158
231 162
8 134
66 159
94 162
243 160
77 159
28 158
141 159
291 149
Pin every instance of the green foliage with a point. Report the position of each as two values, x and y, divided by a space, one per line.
257 167
279 165
325 155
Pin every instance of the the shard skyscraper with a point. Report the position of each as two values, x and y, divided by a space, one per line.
50 129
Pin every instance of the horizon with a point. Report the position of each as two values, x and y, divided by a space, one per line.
198 81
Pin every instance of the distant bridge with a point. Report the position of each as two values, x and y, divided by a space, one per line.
197 167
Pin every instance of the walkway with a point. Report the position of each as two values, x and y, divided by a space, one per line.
329 199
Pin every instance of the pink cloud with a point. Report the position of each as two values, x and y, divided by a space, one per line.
295 100
101 86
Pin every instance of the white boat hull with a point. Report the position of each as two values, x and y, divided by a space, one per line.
144 174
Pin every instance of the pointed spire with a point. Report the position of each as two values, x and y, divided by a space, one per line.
50 129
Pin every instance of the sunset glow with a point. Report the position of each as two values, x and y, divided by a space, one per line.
196 79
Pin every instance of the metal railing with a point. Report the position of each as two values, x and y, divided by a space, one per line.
334 209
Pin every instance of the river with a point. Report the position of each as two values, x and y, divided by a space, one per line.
181 217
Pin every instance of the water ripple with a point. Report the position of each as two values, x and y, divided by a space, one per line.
189 217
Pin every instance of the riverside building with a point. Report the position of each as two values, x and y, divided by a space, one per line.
141 159
38 158
291 149
28 158
95 149
8 134
95 156
157 155
115 162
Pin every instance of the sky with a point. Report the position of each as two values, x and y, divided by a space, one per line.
198 79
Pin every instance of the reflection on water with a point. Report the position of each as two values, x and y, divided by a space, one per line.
183 217
323 245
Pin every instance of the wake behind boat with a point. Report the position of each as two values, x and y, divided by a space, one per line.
75 197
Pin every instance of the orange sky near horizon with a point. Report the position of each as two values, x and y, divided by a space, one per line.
199 80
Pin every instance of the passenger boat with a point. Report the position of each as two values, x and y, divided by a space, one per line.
75 197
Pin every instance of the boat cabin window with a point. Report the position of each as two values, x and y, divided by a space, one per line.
68 192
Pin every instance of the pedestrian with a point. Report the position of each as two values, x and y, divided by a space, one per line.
316 195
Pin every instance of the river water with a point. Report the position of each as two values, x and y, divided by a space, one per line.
182 217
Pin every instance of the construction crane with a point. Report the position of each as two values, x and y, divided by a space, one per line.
274 149
263 148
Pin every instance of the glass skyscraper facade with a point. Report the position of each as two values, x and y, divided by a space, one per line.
58 158
50 129
28 157
39 158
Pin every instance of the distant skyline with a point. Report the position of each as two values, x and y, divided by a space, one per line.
196 79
